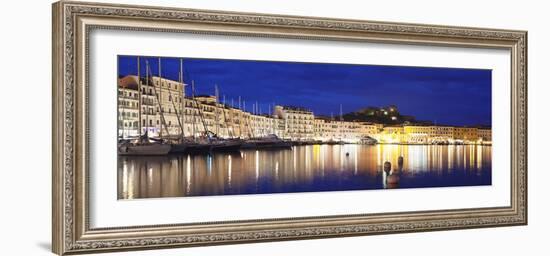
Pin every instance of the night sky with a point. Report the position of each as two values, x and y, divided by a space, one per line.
449 96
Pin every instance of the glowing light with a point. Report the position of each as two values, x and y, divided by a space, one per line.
479 157
162 178
188 173
229 171
128 182
257 163
209 165
277 169
294 160
355 161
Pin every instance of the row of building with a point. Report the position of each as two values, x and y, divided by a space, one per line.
167 112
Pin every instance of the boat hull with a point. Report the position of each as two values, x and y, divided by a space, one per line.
227 147
267 145
144 150
197 148
179 148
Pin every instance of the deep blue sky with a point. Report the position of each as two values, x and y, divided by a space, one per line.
444 95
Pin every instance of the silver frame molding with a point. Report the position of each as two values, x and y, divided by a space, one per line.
72 23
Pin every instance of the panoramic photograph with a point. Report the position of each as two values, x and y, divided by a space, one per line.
211 127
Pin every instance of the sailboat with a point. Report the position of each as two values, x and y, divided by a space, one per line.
208 141
223 144
143 145
270 141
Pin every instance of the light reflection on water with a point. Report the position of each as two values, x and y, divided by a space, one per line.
303 169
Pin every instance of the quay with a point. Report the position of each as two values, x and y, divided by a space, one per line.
155 117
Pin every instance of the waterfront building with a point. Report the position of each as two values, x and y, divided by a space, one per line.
128 107
212 114
167 120
264 125
391 134
326 129
417 134
192 125
167 112
428 134
485 134
347 131
161 106
298 122
205 113
370 130
466 134
441 134
241 126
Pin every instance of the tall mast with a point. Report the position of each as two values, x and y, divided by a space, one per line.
244 114
193 102
341 113
225 121
225 117
147 108
173 99
160 95
217 93
199 110
182 100
340 133
139 94
163 121
121 105
250 128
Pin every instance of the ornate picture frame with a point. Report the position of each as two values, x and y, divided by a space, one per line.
72 23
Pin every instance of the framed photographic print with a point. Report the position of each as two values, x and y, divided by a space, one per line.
179 127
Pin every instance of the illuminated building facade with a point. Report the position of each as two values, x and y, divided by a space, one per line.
346 131
391 134
167 112
485 134
298 122
429 134
128 107
465 134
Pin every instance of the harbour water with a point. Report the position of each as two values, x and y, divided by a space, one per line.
310 168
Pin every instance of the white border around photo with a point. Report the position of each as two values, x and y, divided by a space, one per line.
107 211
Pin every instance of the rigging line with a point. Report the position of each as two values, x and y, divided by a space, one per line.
158 99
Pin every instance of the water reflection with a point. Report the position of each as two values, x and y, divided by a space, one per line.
304 169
